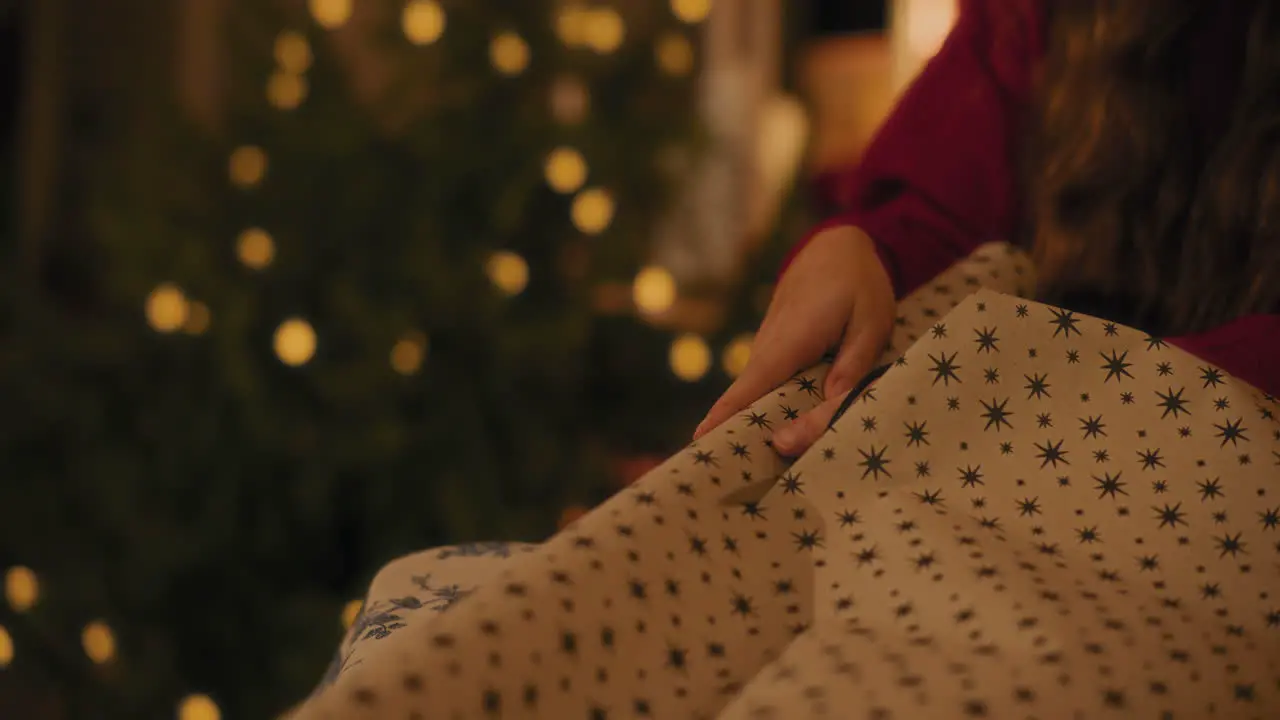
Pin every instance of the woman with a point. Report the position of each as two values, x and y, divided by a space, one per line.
1138 139
1031 513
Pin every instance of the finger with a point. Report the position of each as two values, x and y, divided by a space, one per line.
862 344
795 438
773 361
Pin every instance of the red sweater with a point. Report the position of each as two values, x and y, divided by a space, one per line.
939 178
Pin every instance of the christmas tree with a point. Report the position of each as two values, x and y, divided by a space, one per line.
345 315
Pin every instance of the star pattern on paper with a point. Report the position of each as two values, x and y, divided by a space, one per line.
993 532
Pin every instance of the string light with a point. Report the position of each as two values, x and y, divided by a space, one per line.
295 342
690 357
408 353
508 271
21 588
674 54
605 30
736 355
571 25
422 21
99 642
247 166
592 211
255 248
6 647
509 53
285 90
167 308
566 170
198 707
691 11
350 612
330 14
570 100
198 318
654 290
293 52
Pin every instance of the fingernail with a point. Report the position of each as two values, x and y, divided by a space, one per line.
698 431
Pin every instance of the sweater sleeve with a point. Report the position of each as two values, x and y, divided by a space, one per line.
939 178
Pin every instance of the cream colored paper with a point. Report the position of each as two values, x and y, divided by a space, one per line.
1031 514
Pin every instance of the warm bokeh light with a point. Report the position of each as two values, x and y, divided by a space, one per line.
654 290
255 248
295 342
690 357
286 90
330 14
570 100
98 641
422 21
408 353
566 170
592 211
293 52
571 25
6 647
167 308
198 318
508 271
21 588
736 355
691 11
509 53
198 707
350 612
247 166
674 54
604 30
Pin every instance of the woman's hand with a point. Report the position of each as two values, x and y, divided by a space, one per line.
835 291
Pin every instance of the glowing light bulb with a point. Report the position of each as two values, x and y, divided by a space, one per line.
736 355
605 30
509 53
295 342
508 271
674 54
99 642
690 357
21 588
592 211
6 647
691 11
247 166
654 290
293 52
198 318
570 100
566 170
167 308
423 21
330 14
571 25
198 707
255 248
408 353
285 90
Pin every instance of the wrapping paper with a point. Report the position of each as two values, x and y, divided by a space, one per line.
1031 514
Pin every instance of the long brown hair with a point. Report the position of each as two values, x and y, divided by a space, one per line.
1125 202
